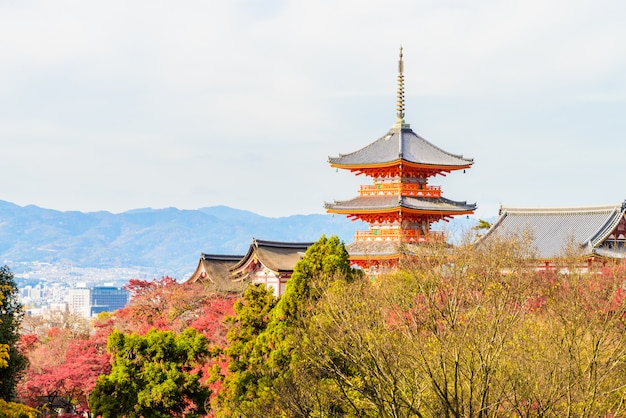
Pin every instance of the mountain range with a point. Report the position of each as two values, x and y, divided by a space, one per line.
166 240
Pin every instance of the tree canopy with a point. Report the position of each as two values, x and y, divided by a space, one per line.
157 374
11 314
264 338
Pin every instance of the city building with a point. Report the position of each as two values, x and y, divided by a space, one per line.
78 300
107 299
400 205
91 301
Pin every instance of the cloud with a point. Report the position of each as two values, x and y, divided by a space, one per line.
120 105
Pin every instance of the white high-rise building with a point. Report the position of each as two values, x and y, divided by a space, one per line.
78 300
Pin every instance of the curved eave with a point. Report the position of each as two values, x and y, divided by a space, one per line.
369 257
607 228
401 208
608 254
401 143
400 162
245 259
394 204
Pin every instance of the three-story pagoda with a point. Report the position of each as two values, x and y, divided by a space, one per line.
399 205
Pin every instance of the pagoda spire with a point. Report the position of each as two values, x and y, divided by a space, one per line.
400 103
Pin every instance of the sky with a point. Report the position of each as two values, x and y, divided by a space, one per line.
120 105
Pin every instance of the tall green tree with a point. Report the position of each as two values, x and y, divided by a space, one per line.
153 375
245 361
267 382
11 314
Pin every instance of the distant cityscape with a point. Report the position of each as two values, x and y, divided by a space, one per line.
45 287
52 253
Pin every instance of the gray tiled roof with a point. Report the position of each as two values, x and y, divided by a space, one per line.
552 228
373 248
409 202
277 256
387 248
213 269
401 144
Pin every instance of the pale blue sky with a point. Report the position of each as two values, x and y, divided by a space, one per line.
119 105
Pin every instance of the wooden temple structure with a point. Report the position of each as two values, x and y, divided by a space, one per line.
399 205
596 234
267 262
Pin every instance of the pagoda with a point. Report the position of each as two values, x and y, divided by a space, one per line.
400 205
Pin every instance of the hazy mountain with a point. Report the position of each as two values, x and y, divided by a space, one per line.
168 240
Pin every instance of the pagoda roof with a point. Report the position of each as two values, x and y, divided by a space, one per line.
381 250
552 229
394 202
274 255
399 145
214 269
373 249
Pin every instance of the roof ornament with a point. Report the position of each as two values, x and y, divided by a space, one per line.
400 103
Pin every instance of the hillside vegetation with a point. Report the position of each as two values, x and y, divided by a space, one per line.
462 332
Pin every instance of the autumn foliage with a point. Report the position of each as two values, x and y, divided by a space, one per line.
470 331
65 363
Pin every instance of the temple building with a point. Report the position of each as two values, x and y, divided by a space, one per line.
594 234
399 205
213 270
267 262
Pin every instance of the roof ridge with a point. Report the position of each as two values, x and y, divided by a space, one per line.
460 156
282 244
556 209
222 257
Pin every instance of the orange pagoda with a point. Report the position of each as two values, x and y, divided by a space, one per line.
399 205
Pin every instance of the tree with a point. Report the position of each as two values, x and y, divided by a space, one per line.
66 366
166 305
245 362
471 332
11 314
157 375
264 340
16 410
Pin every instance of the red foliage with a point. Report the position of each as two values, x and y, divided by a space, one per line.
211 319
27 341
137 287
71 368
165 305
67 366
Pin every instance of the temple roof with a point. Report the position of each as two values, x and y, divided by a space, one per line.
398 145
214 269
374 249
380 250
276 256
553 228
376 203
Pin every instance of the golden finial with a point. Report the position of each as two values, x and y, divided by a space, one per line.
400 105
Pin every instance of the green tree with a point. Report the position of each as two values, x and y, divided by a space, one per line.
267 381
11 314
156 374
245 361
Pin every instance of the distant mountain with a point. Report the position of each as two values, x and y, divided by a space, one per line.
167 240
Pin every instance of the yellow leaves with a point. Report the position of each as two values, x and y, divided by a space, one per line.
4 355
17 410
